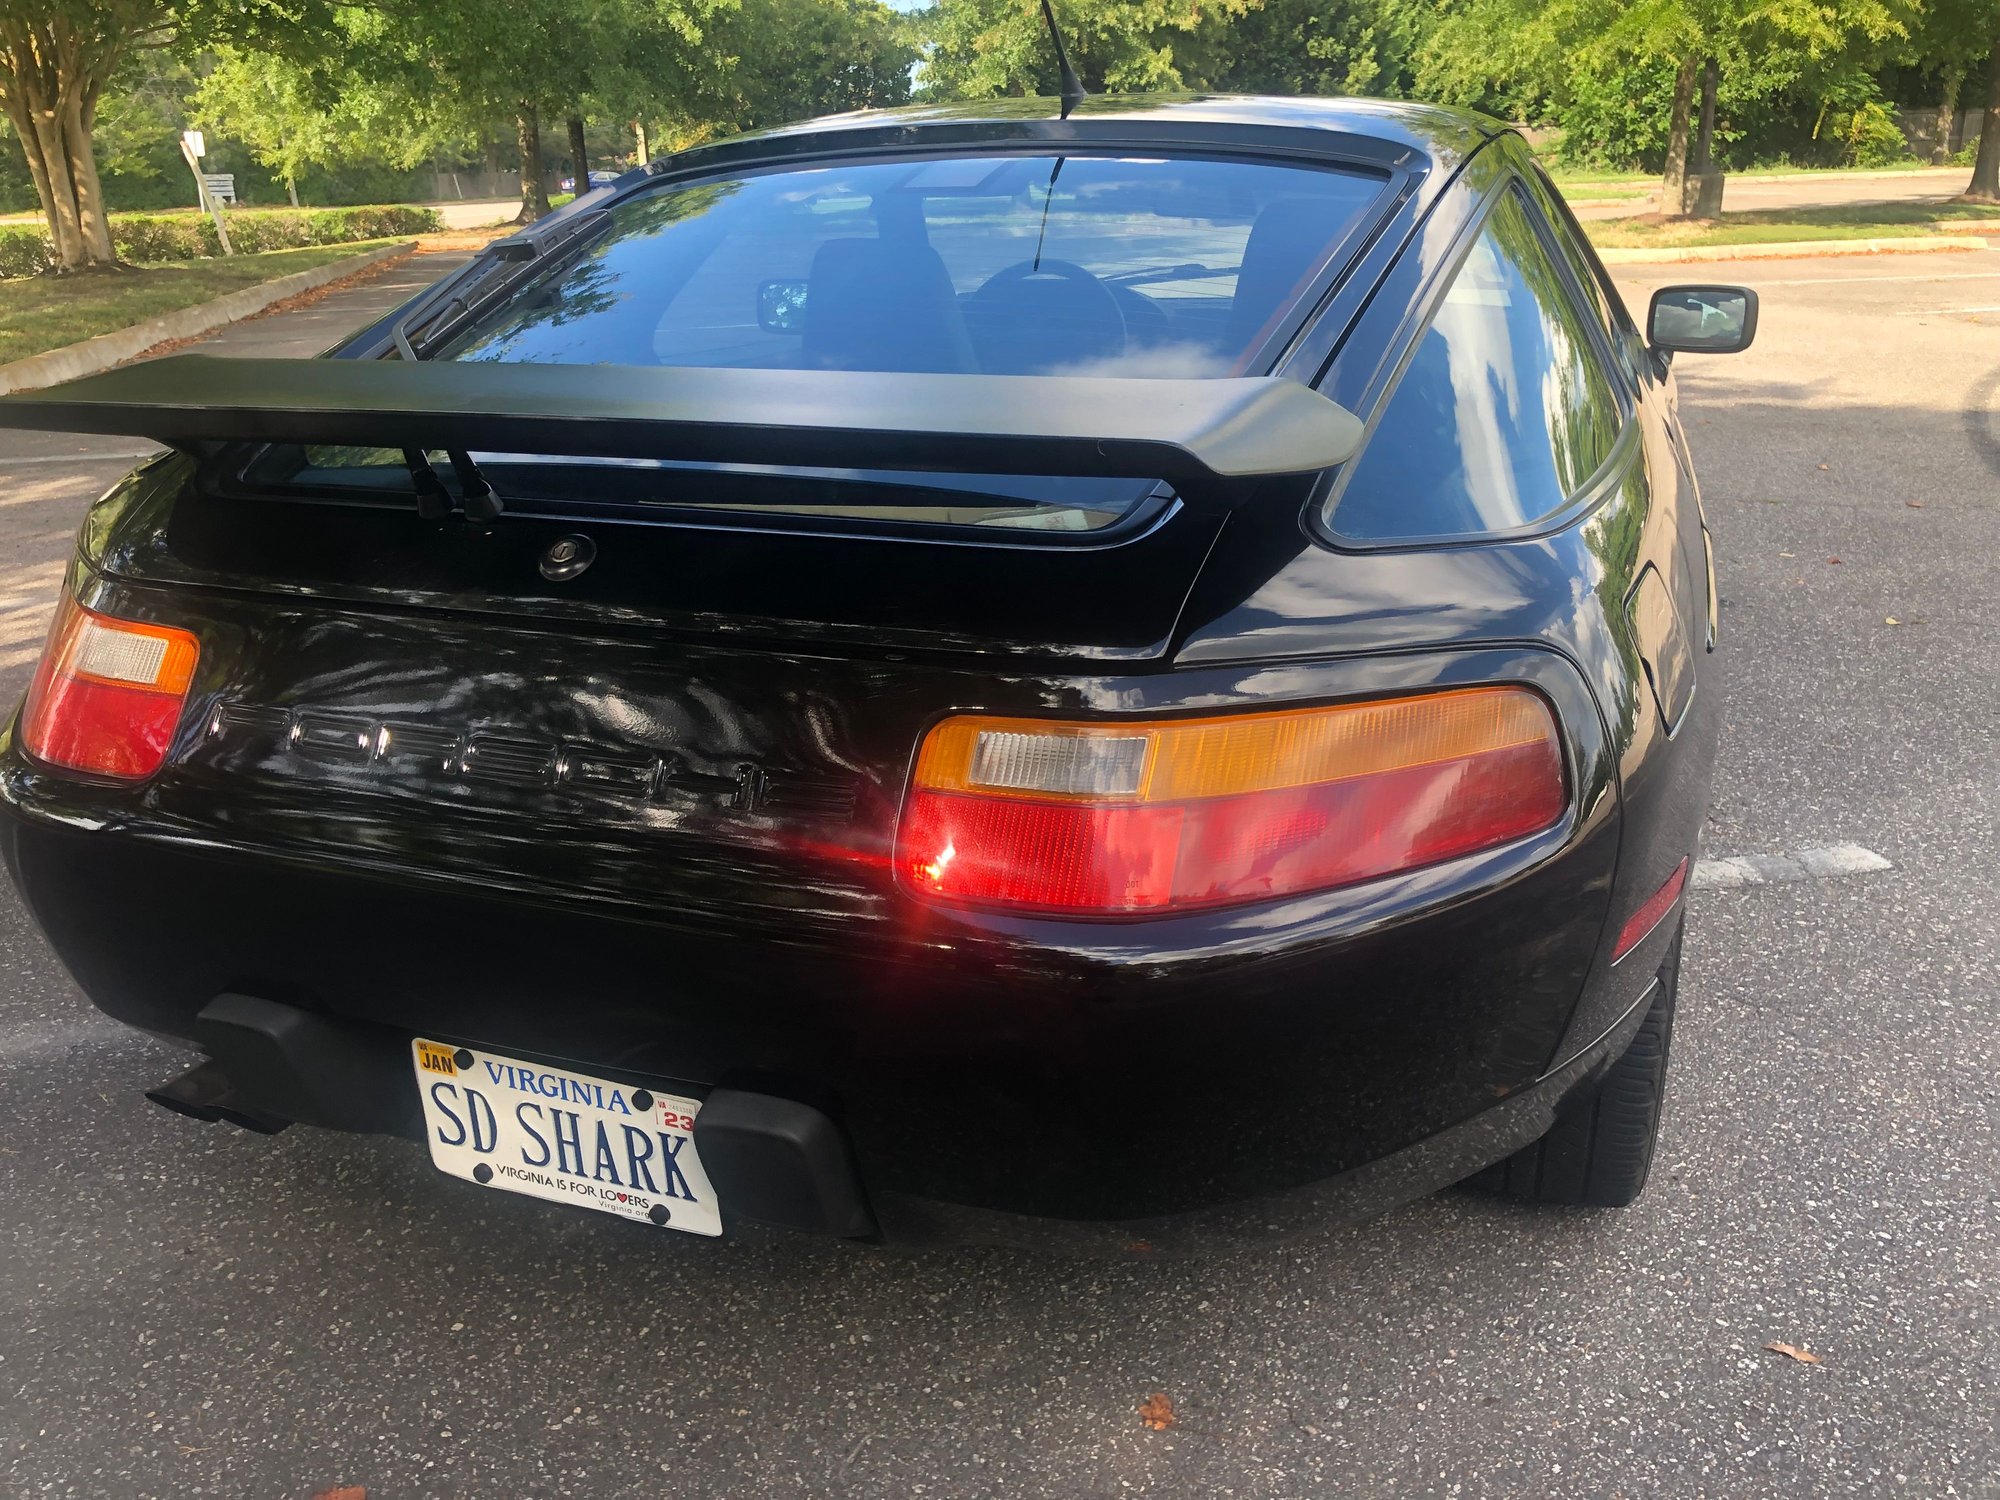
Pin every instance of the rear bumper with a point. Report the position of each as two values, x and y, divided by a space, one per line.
779 1161
1449 1156
1127 1079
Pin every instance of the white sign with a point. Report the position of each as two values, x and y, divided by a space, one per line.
196 146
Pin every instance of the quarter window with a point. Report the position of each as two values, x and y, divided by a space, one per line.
1501 413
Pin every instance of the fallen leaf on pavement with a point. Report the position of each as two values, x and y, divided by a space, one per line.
1157 1412
1891 620
343 1492
1833 560
1914 504
1790 1351
1826 466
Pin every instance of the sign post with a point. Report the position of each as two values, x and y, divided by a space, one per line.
194 148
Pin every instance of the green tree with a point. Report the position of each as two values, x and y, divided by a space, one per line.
1985 184
1548 52
58 56
1310 47
1945 39
977 49
366 108
55 60
796 59
406 80
1948 38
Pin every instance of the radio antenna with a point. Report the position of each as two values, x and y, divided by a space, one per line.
1072 86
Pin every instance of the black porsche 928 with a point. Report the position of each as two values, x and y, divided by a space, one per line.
953 674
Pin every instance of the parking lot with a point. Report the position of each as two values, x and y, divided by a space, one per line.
187 1310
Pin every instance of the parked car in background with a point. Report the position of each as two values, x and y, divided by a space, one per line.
950 674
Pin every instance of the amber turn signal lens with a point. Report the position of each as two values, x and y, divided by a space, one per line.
1105 818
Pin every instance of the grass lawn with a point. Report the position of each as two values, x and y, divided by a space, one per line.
47 312
1860 221
1567 179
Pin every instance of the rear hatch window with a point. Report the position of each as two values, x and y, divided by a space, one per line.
1022 264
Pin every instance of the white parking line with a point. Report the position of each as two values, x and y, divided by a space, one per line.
1776 869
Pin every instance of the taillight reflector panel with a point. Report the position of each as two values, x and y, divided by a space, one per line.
1639 926
1125 818
108 694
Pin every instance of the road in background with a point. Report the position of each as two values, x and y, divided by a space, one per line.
475 213
187 1310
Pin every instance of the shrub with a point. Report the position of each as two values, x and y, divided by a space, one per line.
1872 137
25 250
144 237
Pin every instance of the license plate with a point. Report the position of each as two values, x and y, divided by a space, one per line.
564 1136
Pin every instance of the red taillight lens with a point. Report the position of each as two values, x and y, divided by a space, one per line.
108 693
1105 819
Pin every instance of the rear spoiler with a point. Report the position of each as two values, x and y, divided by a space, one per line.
1205 437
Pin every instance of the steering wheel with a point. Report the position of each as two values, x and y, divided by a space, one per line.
1029 318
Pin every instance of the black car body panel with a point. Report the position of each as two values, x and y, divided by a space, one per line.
642 821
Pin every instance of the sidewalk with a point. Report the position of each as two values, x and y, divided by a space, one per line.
47 478
297 333
304 331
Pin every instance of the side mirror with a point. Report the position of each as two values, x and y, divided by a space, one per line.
781 306
1702 319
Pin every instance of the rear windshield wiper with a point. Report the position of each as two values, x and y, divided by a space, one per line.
532 253
482 501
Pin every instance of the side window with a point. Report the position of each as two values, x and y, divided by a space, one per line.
1589 275
1502 411
1580 266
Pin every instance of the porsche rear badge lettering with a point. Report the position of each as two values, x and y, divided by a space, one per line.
394 748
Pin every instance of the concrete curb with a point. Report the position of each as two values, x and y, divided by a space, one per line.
114 348
1791 250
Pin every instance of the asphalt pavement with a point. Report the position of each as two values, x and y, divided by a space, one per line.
191 1311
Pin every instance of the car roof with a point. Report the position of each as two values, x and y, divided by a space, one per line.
1308 125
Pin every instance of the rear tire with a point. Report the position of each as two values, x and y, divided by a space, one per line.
1601 1148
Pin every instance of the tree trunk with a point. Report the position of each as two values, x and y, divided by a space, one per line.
50 76
65 226
1673 183
1948 81
1985 185
93 219
62 232
579 151
1704 140
534 191
639 135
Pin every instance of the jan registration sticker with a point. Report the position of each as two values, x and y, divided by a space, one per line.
564 1136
